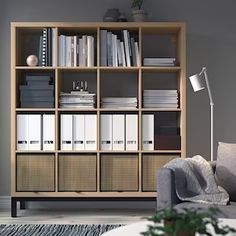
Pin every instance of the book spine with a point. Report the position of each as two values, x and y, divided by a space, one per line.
44 46
54 47
40 50
127 49
90 51
103 46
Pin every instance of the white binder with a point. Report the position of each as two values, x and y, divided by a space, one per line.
148 131
34 131
22 132
106 132
118 129
48 132
78 132
131 132
66 132
90 132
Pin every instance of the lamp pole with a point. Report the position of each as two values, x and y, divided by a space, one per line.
204 71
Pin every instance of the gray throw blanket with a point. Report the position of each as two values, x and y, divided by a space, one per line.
195 181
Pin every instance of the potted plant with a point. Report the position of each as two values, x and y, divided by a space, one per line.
138 14
169 222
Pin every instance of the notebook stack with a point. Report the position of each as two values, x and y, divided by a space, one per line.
159 61
37 93
77 99
119 102
160 98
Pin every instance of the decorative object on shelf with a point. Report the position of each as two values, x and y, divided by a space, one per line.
32 60
197 84
111 15
138 14
186 223
122 17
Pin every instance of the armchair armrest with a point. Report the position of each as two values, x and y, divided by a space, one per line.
166 194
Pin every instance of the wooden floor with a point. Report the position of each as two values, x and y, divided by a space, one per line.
74 216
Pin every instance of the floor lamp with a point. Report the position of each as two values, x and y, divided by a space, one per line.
197 84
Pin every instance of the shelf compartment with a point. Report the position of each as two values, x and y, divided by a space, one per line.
166 135
77 173
151 163
27 40
166 45
121 84
34 96
35 172
66 79
119 172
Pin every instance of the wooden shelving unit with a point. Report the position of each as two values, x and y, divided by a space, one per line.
140 182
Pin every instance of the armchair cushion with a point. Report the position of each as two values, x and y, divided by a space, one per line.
226 168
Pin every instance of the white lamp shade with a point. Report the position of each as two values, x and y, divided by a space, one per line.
196 82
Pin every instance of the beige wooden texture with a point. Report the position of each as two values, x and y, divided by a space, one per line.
35 172
77 172
119 172
150 165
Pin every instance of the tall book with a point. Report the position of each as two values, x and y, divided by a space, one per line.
103 47
44 47
127 48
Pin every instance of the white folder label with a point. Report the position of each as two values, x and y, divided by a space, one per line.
78 132
66 132
148 131
106 132
131 132
34 126
90 132
118 125
48 132
22 132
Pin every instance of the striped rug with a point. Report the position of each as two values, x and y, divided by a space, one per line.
54 230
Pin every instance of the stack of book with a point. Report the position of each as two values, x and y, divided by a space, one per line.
119 102
77 99
76 51
160 98
159 61
37 92
120 49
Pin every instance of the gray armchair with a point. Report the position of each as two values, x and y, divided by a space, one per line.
166 195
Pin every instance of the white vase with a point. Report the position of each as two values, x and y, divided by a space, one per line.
139 15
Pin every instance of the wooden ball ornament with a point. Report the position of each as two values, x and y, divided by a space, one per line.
32 60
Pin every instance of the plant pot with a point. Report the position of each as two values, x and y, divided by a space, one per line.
139 15
179 232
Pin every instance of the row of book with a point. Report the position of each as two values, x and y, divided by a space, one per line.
119 102
76 51
77 99
79 132
118 49
160 98
38 92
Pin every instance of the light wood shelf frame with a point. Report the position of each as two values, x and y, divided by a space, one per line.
176 28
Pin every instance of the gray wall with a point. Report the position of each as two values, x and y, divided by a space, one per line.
211 42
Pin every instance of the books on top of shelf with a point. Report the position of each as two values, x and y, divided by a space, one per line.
76 51
159 61
119 102
118 49
77 99
160 98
